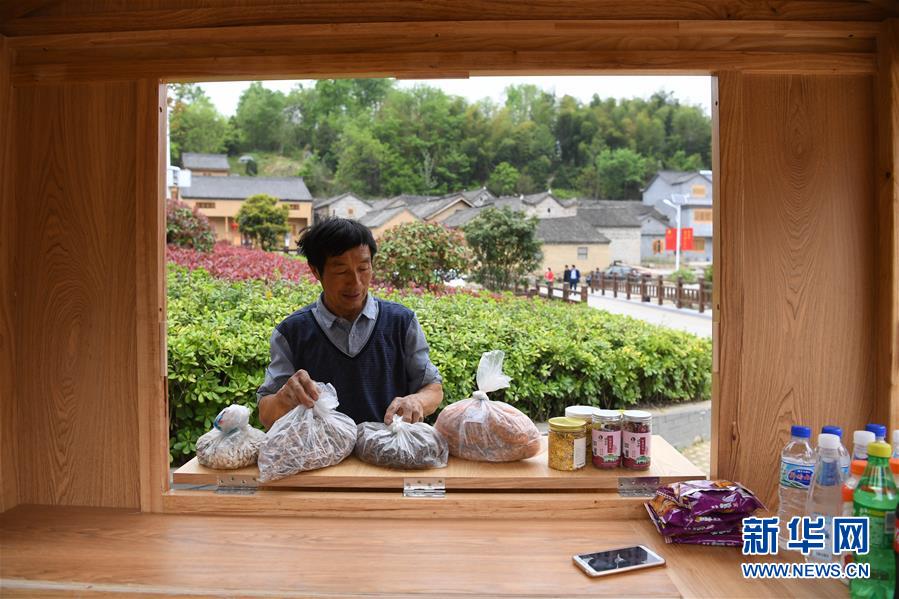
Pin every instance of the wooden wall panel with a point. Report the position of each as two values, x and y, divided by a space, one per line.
800 309
727 152
149 268
887 254
58 16
8 401
76 166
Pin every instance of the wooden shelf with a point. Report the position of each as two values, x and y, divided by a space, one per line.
668 465
65 551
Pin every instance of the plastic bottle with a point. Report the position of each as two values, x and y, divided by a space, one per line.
844 455
856 469
825 498
894 468
896 444
860 442
879 430
875 497
797 466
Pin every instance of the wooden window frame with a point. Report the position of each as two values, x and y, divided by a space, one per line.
596 47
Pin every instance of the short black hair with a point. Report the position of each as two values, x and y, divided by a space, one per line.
332 237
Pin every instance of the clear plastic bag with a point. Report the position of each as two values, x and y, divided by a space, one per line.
401 445
484 430
232 443
307 439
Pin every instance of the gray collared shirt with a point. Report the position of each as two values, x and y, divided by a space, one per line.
350 338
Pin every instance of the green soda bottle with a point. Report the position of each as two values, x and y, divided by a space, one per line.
876 498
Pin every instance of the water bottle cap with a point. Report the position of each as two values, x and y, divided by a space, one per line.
803 432
879 430
863 438
879 450
858 467
832 430
828 441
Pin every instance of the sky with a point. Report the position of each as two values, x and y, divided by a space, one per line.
689 90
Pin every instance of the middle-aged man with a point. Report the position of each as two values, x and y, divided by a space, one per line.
373 351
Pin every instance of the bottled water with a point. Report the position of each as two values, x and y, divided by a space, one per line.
825 498
860 442
797 465
896 444
879 430
844 455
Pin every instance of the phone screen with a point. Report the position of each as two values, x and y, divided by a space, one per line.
618 559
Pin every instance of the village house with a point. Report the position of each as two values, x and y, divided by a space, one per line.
693 190
220 199
213 165
620 222
345 205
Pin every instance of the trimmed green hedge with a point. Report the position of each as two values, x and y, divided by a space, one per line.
556 354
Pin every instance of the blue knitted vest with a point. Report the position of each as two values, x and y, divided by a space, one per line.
365 383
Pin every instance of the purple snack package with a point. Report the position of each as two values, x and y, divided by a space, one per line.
704 524
672 514
725 540
702 497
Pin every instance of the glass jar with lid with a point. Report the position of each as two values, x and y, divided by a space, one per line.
584 413
567 443
636 435
606 439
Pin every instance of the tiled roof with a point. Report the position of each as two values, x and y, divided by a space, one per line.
376 218
611 213
569 229
240 188
322 202
462 217
426 210
193 160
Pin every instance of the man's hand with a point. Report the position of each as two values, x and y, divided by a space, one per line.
409 407
298 390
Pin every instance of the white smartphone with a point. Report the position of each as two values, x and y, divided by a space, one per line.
622 559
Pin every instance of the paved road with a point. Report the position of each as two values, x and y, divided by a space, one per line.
667 315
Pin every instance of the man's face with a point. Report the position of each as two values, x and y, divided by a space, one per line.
345 281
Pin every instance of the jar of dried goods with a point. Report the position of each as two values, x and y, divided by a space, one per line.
567 443
636 435
606 432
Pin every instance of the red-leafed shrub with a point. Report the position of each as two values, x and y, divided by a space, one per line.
187 227
240 264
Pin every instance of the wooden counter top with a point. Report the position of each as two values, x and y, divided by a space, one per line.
534 473
76 551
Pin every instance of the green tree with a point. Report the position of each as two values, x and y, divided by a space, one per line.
622 173
505 246
263 220
362 162
503 179
195 125
261 118
421 253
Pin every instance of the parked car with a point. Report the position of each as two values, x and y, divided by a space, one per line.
622 270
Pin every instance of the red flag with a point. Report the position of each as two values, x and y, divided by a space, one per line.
686 239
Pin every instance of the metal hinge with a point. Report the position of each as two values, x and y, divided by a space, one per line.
236 485
638 486
434 488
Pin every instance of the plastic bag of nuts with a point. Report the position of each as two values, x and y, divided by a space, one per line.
401 445
232 443
307 439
